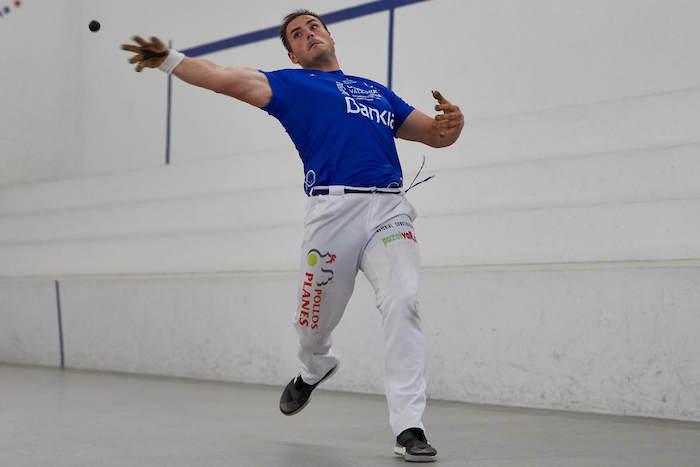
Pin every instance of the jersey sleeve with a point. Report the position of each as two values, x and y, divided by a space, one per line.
401 109
278 105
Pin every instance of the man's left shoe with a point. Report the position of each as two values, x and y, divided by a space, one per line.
414 447
297 393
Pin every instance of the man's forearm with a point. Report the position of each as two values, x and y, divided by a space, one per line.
201 73
245 84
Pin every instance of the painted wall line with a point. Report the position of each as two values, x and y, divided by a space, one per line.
168 117
390 60
60 323
268 33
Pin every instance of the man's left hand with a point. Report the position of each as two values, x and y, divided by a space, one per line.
451 120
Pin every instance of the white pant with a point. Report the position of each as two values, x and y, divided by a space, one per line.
372 232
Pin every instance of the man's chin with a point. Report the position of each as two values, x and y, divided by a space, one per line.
314 57
316 53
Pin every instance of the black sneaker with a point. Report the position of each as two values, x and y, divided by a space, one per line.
412 445
297 393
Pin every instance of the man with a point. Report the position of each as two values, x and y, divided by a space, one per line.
357 216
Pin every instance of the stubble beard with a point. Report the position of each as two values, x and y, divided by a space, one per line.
325 56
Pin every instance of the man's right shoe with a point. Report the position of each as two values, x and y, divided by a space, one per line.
297 393
413 446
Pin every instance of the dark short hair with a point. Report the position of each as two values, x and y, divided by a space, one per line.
289 18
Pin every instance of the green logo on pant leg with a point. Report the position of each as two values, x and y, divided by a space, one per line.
391 238
398 236
315 257
312 259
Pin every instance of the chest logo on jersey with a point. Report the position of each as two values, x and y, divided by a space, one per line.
358 90
358 95
384 117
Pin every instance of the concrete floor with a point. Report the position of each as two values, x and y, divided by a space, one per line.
50 417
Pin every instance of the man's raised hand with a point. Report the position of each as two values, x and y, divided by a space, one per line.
149 54
451 120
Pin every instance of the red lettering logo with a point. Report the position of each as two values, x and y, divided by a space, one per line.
305 300
409 236
316 309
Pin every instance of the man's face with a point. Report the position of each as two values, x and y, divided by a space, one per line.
308 40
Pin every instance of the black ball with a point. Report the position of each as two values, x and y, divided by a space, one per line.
94 26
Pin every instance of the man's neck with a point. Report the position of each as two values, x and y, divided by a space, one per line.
327 64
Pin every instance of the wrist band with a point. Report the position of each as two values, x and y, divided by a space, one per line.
171 61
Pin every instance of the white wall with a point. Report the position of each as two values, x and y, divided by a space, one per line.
41 98
560 239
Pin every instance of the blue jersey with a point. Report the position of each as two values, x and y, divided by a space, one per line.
342 126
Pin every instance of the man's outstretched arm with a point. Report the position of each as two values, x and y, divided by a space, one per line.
245 84
438 132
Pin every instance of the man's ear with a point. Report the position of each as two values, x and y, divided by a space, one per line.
293 58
